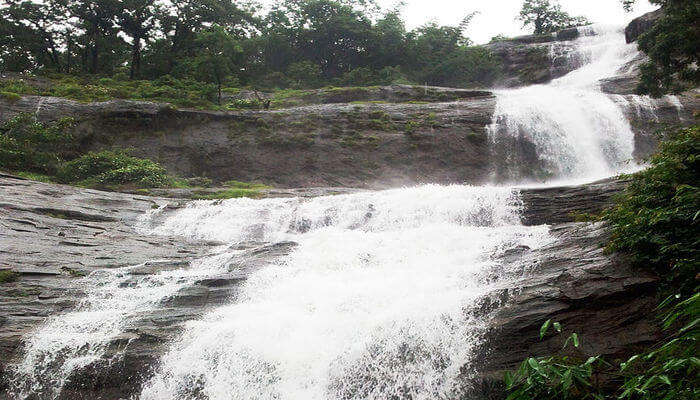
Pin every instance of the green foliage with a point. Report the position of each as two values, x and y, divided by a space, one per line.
243 104
7 276
244 185
34 176
86 88
217 56
555 377
656 220
671 370
29 145
228 194
296 44
114 168
547 16
10 96
673 47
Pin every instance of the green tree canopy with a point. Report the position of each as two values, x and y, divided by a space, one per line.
546 16
673 47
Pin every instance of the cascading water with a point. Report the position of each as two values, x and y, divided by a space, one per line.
383 295
568 128
377 300
71 341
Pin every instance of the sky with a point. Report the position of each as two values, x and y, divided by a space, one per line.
498 16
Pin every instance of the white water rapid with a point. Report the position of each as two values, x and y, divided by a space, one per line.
382 297
376 301
577 131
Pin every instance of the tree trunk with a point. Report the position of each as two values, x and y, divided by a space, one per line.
218 87
94 51
135 71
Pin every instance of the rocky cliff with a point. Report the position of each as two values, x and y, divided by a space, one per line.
364 144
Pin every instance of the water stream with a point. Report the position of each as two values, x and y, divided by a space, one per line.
568 128
382 297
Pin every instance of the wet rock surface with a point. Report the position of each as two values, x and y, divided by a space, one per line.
328 145
601 297
641 24
572 280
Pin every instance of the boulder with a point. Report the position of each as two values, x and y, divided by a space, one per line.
642 24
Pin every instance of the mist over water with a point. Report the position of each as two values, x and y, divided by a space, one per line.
386 294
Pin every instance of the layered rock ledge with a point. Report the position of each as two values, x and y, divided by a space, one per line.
363 145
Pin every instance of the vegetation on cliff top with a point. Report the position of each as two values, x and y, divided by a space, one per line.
546 16
224 43
673 47
657 222
48 153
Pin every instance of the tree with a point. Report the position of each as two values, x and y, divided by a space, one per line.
334 34
546 16
99 38
182 20
673 47
33 33
137 20
218 53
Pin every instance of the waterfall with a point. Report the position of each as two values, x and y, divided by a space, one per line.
69 342
378 300
568 128
383 296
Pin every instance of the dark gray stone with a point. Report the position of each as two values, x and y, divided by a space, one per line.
642 24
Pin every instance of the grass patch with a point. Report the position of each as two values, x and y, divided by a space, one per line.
35 176
228 194
244 185
7 276
10 96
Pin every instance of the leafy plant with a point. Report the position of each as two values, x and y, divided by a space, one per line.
656 219
555 377
114 168
671 370
8 276
29 145
672 47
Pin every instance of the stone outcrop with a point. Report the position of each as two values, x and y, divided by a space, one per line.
601 297
642 24
357 145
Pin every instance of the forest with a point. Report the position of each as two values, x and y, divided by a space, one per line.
206 45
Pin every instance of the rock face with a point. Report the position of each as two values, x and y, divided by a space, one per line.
642 24
53 235
609 304
359 145
370 145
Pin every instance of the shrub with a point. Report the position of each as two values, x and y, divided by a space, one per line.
8 276
656 219
114 168
10 96
555 377
29 145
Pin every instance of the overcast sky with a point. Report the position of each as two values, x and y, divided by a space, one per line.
498 16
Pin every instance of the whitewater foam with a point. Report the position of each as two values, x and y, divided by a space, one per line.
567 128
